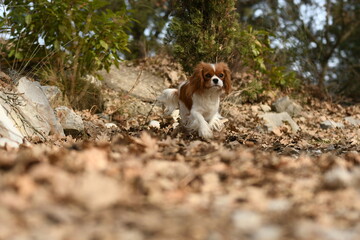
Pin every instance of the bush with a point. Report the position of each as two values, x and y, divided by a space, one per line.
68 38
209 31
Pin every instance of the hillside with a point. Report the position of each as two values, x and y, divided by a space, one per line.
132 181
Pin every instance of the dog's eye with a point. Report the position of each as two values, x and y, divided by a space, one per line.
221 75
208 75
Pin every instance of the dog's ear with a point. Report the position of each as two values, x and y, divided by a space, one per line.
227 78
197 79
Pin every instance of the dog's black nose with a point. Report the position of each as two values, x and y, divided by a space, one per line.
215 80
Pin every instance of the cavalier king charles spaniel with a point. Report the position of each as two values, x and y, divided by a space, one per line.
199 98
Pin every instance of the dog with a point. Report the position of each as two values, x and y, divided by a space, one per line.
198 98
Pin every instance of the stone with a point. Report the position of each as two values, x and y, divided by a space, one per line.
279 205
265 107
352 121
274 120
136 82
53 94
25 112
268 232
331 124
284 104
9 131
338 178
154 124
33 93
69 120
246 221
8 142
111 125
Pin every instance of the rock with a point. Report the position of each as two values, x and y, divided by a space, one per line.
352 121
246 221
274 120
270 232
265 107
53 94
9 131
96 191
111 125
305 229
284 104
338 178
154 124
8 142
69 120
331 124
27 112
279 205
141 84
33 92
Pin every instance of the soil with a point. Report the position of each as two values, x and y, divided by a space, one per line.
132 181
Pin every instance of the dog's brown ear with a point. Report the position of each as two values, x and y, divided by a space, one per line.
197 79
227 78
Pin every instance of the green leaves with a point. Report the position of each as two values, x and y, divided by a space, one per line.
80 37
104 45
28 19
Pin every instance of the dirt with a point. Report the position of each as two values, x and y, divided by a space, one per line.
130 181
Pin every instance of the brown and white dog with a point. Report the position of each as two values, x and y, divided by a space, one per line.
199 98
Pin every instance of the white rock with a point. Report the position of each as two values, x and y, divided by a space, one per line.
268 233
265 107
53 94
111 125
275 120
8 142
305 230
154 124
26 112
338 178
284 104
69 120
279 205
8 128
246 221
331 124
33 93
352 121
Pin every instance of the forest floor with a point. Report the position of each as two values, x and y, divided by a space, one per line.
134 182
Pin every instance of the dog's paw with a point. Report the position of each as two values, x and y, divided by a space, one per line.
216 124
205 132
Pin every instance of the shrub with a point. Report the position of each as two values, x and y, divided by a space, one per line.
69 38
203 30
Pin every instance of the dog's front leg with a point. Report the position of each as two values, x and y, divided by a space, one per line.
201 125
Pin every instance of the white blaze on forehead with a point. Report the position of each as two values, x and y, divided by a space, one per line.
213 66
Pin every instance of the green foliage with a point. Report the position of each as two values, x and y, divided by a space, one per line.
209 31
203 31
72 38
322 44
150 18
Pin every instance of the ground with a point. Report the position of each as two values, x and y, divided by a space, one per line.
134 182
